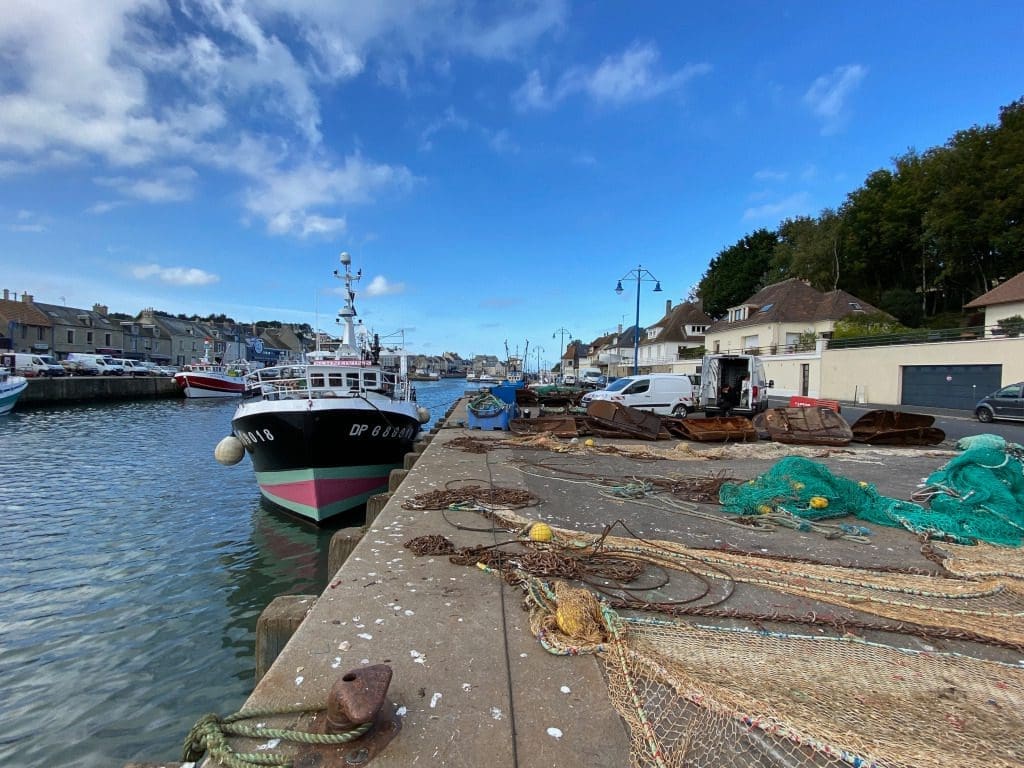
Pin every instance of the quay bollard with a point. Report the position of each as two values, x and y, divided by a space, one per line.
374 506
275 627
342 543
395 479
410 460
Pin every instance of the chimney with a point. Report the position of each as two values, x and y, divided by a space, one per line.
26 297
100 309
7 294
668 306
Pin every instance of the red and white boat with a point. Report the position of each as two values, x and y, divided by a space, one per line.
208 379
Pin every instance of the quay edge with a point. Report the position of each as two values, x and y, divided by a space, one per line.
43 392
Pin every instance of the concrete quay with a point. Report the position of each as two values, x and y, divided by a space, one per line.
472 686
47 391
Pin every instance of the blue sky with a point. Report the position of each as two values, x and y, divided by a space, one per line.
494 168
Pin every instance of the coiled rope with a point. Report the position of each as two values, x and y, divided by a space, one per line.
209 735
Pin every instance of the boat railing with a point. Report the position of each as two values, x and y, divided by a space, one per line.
299 382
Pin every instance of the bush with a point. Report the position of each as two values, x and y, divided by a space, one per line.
1012 326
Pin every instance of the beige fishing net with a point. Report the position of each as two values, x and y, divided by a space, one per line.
696 695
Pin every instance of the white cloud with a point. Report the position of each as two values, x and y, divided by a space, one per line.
769 174
286 197
450 120
380 286
170 185
26 228
119 85
774 212
501 141
183 276
828 95
322 225
628 77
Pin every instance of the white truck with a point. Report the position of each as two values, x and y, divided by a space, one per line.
733 384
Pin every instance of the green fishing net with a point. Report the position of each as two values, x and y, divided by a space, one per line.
977 495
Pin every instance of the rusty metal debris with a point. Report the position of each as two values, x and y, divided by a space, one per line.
716 429
608 419
882 427
559 426
807 425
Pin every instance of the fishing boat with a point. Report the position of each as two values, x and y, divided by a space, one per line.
11 388
206 378
324 435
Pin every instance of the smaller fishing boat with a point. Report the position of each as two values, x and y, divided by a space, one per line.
11 388
206 378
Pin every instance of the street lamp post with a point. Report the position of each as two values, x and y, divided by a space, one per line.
639 274
561 349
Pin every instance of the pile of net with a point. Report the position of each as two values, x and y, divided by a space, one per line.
976 496
716 696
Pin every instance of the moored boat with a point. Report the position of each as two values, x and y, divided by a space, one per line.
11 388
206 378
324 435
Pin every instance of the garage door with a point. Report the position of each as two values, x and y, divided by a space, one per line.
949 386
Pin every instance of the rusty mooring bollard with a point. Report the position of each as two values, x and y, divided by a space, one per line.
357 696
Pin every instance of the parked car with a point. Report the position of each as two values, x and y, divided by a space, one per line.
134 367
1006 403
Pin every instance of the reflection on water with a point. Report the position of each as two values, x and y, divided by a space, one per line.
133 568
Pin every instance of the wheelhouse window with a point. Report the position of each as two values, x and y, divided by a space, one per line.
352 380
316 380
335 379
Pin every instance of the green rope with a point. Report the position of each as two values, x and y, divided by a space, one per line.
208 735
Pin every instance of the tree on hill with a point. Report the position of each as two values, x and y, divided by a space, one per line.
737 272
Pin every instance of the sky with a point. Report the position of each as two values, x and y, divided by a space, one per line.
494 168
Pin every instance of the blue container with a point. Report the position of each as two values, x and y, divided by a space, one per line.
505 392
499 420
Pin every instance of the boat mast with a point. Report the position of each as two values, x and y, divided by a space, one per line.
348 312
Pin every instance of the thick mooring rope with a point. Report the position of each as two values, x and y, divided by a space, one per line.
209 735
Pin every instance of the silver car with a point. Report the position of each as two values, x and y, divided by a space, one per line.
1006 403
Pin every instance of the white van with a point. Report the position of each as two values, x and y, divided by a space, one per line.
668 394
750 393
91 364
30 365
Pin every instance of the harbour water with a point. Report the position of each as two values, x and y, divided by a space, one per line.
133 568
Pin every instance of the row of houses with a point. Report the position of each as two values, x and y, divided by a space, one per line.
30 326
790 325
27 325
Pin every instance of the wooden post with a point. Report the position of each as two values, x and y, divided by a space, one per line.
395 479
342 544
275 627
374 506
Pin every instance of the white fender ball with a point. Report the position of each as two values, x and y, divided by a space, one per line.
423 415
229 451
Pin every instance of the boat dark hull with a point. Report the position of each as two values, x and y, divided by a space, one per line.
322 462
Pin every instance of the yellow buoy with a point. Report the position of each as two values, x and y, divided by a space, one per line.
763 509
589 442
798 486
818 502
541 532
229 451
